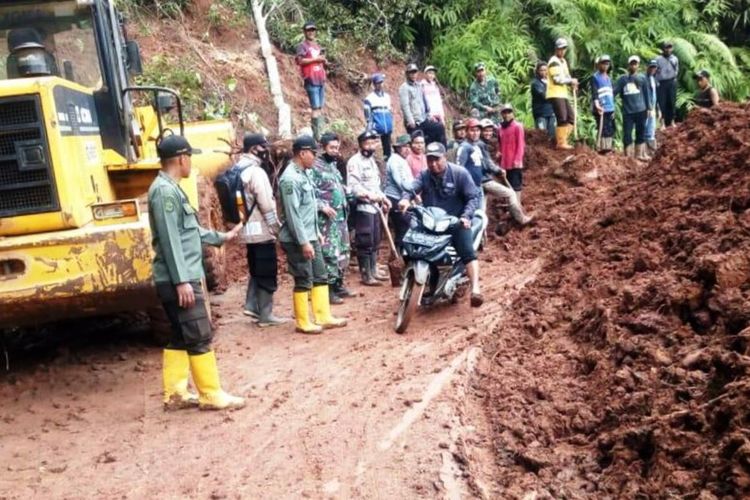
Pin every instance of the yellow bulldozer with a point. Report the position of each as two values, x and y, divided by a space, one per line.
77 155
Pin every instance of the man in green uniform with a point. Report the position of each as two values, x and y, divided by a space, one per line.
178 271
332 208
484 95
300 239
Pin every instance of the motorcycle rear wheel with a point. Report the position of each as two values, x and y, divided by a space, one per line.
409 305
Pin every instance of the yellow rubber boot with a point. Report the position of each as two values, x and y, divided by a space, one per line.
206 378
322 308
175 374
302 314
562 141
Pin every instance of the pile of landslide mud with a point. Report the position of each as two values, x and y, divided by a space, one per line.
623 370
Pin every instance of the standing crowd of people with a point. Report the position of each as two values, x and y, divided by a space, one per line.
326 214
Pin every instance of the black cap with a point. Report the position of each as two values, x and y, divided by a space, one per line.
412 68
367 134
172 146
304 142
435 149
251 140
309 25
328 138
24 38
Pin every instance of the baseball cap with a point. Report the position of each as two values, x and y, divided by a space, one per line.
506 107
304 142
378 78
473 123
603 58
251 140
430 68
435 149
486 122
652 63
172 146
402 140
633 59
479 66
702 74
367 134
561 43
24 38
459 124
412 68
309 25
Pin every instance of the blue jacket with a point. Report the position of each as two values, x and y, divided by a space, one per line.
378 113
475 158
454 191
601 89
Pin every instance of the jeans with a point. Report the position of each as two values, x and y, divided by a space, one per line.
316 94
548 123
632 121
650 132
666 95
463 243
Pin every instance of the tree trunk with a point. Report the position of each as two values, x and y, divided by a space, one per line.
285 111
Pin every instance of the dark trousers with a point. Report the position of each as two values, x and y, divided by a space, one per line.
400 222
433 132
608 124
263 265
306 273
368 232
563 111
385 141
462 242
635 121
666 95
191 328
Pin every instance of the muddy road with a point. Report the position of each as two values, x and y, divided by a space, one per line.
357 412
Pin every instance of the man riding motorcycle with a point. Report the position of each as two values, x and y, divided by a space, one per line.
450 187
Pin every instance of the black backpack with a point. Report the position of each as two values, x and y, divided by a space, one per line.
227 184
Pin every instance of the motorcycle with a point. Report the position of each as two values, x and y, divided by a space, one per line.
431 260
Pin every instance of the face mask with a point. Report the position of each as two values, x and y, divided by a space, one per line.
263 154
367 153
329 158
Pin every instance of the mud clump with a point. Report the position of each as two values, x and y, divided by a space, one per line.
636 332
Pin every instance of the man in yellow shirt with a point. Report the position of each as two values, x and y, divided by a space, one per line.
558 94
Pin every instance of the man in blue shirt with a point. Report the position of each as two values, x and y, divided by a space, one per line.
378 113
603 103
451 188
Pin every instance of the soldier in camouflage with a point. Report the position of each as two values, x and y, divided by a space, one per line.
332 214
484 95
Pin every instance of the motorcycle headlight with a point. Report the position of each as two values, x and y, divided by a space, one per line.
442 225
428 221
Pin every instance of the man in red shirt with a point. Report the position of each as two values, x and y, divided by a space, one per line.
512 141
312 64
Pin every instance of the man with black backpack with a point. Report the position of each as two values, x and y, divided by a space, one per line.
261 228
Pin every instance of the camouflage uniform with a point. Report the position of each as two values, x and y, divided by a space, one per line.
330 192
487 94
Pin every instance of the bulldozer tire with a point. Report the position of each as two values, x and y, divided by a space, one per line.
210 217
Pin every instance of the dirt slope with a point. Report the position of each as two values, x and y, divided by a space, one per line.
623 370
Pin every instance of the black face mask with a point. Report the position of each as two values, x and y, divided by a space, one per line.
367 153
329 158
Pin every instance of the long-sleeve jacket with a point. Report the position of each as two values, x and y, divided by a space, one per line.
412 102
474 157
484 94
398 177
667 68
363 181
262 224
378 112
434 99
602 92
299 206
651 85
559 78
454 191
176 235
540 106
632 90
512 144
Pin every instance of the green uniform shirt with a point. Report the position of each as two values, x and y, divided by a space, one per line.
298 205
484 95
177 236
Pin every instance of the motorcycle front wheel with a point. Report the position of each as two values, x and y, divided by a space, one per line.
409 304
